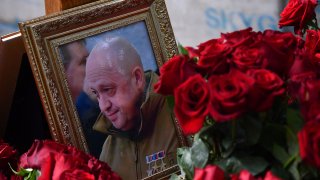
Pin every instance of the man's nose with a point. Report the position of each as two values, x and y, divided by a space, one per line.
105 104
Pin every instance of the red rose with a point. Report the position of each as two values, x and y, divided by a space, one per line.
192 52
41 150
208 173
302 63
62 164
7 155
243 175
313 46
247 57
309 91
213 57
270 176
77 175
243 37
309 143
98 169
309 98
296 82
58 161
229 95
267 86
312 113
279 48
173 73
2 176
282 41
192 98
298 13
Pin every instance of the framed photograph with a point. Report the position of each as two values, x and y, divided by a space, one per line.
58 47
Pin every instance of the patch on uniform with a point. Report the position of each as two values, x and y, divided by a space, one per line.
155 162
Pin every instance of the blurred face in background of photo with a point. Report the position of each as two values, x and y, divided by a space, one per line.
74 60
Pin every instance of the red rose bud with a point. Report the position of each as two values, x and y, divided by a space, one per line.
208 173
192 99
298 13
173 73
309 143
229 95
266 88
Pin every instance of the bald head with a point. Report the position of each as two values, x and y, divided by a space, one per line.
115 55
114 73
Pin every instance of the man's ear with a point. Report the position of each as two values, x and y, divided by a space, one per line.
139 79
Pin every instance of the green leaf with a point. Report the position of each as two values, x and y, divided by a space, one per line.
199 154
27 174
230 165
189 158
22 172
174 177
294 120
272 134
293 146
253 164
280 154
228 146
206 133
185 162
182 50
252 127
293 169
227 143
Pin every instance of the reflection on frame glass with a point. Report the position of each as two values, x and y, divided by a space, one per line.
95 67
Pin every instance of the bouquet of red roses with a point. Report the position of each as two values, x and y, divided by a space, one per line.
250 101
50 160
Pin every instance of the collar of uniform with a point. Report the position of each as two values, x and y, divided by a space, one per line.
148 110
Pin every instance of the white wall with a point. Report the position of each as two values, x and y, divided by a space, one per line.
14 11
193 21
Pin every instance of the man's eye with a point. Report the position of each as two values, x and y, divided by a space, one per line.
83 62
94 92
109 91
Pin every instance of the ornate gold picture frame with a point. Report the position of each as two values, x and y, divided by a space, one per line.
146 25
